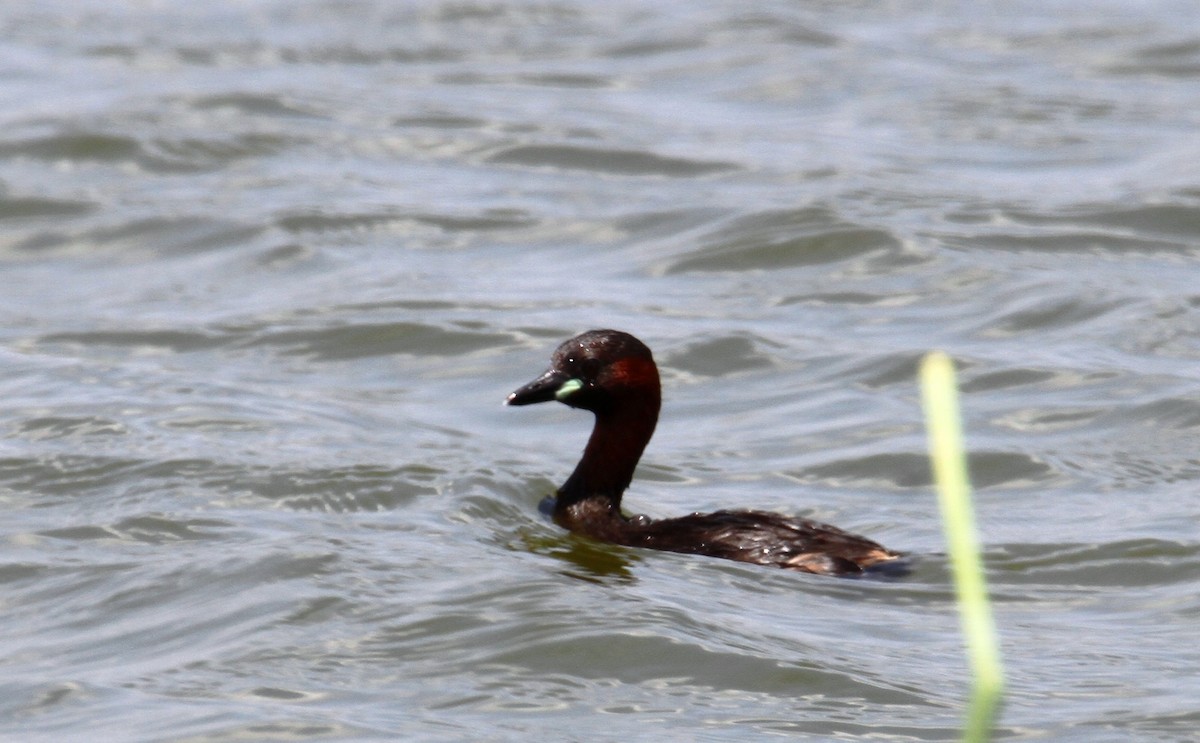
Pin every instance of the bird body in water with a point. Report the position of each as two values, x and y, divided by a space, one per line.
613 375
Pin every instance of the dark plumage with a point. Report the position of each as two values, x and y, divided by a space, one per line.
613 375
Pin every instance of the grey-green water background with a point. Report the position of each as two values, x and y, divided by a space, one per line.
268 269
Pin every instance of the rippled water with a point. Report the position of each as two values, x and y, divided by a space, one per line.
267 271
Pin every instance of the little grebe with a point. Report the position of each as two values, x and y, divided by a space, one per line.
613 375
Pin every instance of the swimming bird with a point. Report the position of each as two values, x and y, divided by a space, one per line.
613 375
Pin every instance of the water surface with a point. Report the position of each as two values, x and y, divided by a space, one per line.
267 271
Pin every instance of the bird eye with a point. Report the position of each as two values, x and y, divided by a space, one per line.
591 368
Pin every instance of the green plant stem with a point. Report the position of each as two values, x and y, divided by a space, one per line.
939 394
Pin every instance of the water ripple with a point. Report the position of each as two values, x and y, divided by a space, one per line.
620 162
